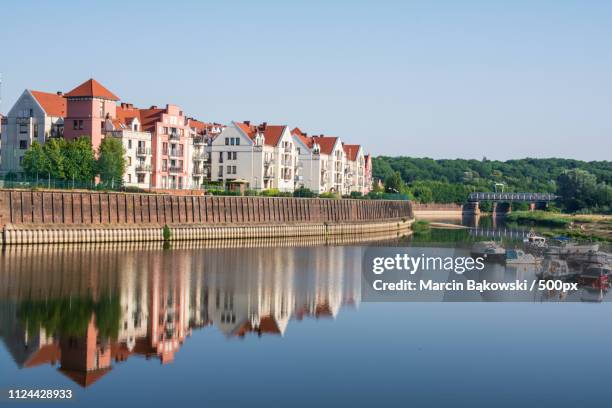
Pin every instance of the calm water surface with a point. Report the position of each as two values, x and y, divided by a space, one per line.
271 326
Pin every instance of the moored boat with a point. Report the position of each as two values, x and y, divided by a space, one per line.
489 250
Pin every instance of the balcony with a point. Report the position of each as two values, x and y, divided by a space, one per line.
199 141
268 162
173 136
199 171
143 168
143 151
175 169
176 153
201 156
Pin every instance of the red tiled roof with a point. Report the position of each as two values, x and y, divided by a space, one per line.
303 137
351 151
126 114
85 378
326 143
92 88
272 133
47 354
53 104
149 117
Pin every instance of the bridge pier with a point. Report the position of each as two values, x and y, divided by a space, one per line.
501 208
471 208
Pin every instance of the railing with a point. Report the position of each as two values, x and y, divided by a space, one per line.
528 197
143 168
143 151
199 141
201 156
268 162
173 136
176 153
199 171
175 169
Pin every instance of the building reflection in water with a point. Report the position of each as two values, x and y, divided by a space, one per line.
86 309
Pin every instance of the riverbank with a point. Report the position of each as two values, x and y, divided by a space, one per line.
597 227
32 217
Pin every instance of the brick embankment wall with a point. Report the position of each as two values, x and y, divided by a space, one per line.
53 217
437 210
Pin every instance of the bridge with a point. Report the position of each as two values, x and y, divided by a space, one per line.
498 233
502 201
509 197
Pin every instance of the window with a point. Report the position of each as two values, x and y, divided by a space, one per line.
23 128
227 141
220 157
129 161
233 141
23 144
165 148
229 169
234 169
229 155
75 124
164 165
220 171
20 160
129 143
235 154
80 124
237 141
141 178
129 178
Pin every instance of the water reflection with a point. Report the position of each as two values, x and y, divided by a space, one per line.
87 309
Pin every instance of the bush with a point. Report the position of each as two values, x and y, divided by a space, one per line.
330 195
167 234
251 193
271 192
303 192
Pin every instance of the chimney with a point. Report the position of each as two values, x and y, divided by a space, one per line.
60 93
153 107
263 126
247 122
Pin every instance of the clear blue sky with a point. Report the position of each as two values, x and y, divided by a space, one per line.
443 79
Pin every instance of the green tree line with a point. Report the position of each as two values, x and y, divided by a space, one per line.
75 160
582 186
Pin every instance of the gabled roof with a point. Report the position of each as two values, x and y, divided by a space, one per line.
52 104
326 143
127 113
351 151
92 88
149 117
272 133
303 137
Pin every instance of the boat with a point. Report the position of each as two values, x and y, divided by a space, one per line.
519 257
591 257
554 268
489 250
597 275
534 240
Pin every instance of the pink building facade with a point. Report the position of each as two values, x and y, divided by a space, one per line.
88 106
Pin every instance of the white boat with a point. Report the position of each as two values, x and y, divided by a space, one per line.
519 257
535 240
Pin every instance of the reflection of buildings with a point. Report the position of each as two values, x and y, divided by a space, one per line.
160 297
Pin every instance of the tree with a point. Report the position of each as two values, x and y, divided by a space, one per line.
111 162
79 160
35 162
575 189
54 152
394 183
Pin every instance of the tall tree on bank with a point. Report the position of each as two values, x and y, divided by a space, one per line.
79 160
35 163
111 162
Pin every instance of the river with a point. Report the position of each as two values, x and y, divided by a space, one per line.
283 323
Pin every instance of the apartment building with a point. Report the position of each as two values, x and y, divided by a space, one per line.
368 173
89 105
36 116
264 156
171 146
137 143
354 169
202 135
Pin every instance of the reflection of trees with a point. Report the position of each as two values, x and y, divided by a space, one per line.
71 316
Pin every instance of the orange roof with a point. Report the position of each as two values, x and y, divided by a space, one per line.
303 137
272 133
149 117
326 143
52 104
196 124
351 151
47 354
127 113
92 88
84 378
